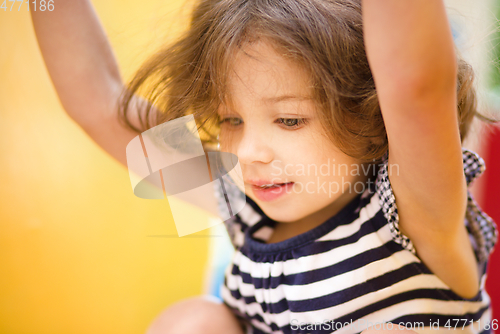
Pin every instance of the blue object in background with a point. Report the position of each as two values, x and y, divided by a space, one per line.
220 253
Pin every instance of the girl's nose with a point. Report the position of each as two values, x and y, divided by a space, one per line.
254 146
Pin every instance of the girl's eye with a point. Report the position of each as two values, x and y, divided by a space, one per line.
288 123
292 123
233 121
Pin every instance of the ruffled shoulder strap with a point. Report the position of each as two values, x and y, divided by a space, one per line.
480 226
473 165
387 202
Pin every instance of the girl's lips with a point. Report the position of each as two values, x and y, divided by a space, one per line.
272 193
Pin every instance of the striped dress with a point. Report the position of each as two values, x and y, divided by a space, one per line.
353 272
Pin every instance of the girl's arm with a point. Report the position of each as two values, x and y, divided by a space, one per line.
84 72
411 54
86 77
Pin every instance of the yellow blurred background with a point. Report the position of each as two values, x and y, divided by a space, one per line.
79 253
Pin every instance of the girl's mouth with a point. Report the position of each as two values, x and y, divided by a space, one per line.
271 191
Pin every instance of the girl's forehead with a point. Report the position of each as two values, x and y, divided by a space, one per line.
266 54
258 70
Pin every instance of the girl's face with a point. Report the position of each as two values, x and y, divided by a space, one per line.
272 125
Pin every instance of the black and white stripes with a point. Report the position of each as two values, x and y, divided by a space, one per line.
355 266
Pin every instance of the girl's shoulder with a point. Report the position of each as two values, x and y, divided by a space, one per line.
481 228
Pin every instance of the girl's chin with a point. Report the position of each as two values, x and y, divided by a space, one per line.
284 213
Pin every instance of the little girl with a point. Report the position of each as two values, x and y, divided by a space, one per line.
347 118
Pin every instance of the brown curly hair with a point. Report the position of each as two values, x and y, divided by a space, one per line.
325 36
